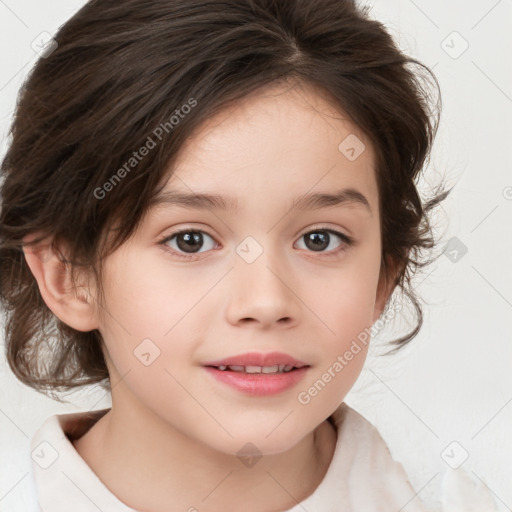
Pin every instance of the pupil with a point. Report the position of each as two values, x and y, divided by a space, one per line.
193 240
320 240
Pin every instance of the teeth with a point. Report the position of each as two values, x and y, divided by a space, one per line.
277 368
270 369
253 369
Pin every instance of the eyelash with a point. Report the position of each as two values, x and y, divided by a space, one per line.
347 242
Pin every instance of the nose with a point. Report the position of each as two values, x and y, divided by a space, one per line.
262 293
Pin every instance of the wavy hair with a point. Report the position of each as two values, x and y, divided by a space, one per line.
119 70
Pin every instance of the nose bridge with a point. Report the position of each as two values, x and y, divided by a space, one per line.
260 287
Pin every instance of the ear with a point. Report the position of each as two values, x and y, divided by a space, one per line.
72 304
385 287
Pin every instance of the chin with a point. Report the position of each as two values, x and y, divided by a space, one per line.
249 442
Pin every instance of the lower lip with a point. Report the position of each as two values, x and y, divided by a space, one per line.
259 384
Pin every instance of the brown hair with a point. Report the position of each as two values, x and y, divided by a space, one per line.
126 72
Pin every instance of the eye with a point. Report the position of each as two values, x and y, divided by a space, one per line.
321 239
187 241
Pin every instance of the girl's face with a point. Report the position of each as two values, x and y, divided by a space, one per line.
250 274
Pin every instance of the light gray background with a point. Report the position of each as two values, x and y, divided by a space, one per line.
454 382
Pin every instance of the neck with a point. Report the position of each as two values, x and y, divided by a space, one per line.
147 464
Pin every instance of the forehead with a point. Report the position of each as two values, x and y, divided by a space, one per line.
278 143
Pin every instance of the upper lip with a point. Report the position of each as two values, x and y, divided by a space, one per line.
258 359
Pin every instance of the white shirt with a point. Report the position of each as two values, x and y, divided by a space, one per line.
362 475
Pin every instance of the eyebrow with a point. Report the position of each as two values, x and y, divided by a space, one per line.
311 201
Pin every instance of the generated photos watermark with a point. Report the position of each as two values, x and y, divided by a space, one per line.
150 144
362 339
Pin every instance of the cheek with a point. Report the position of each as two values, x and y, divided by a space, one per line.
346 303
345 306
151 323
347 311
149 298
351 313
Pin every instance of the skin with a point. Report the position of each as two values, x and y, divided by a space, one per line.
173 432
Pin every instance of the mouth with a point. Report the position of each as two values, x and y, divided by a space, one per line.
258 374
256 362
277 368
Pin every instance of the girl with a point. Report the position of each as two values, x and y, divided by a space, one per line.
205 207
